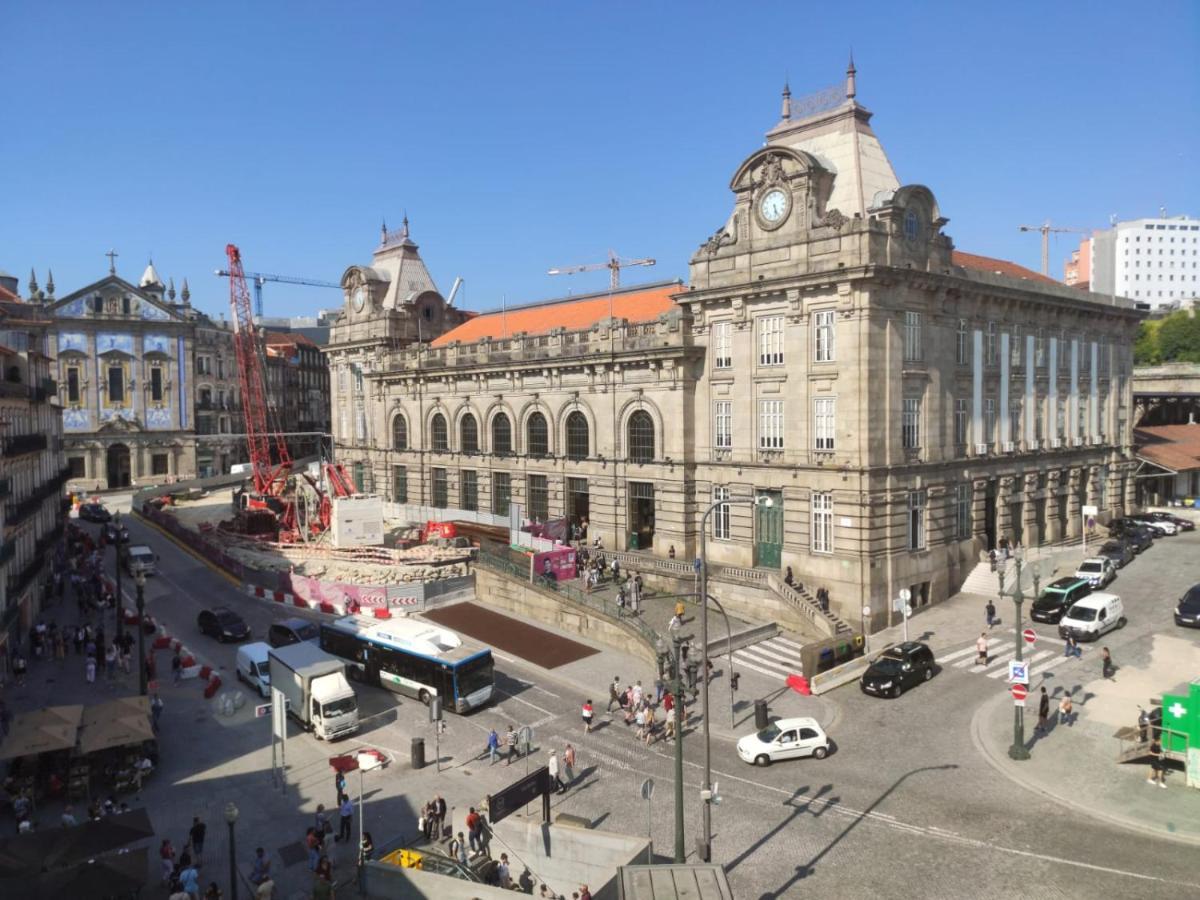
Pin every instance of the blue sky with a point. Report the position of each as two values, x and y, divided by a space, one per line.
522 136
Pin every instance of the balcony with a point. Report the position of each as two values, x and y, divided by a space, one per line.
24 443
5 488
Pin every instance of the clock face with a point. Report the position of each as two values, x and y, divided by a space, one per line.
774 205
358 299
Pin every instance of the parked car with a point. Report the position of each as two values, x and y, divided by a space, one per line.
1097 571
292 631
784 739
898 668
1139 537
222 623
1181 523
253 667
1187 611
1093 616
94 512
1159 526
1118 552
1057 597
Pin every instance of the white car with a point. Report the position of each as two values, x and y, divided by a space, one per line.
1160 526
1097 571
784 739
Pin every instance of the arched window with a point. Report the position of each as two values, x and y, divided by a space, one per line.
501 434
641 437
537 436
399 433
468 433
577 436
438 437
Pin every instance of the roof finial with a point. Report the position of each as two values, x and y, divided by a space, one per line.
404 226
33 285
186 294
383 231
787 100
851 90
50 283
171 287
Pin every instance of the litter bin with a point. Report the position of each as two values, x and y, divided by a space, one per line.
418 753
760 714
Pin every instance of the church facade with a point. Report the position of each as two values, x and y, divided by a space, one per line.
904 406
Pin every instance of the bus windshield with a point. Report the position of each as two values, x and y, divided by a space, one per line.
475 675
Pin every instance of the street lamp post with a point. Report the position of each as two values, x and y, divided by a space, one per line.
1017 751
231 816
120 600
706 790
677 711
140 580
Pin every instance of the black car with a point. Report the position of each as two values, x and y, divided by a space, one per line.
94 512
222 623
1187 612
1181 523
1057 597
898 668
1119 552
292 631
1139 537
115 532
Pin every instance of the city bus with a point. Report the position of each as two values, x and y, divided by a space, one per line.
415 658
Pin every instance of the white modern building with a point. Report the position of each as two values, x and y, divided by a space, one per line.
1151 261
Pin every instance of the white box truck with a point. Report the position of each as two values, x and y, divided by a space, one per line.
318 695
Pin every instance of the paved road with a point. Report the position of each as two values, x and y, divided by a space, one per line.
905 807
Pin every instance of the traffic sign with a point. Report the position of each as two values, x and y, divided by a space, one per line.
647 788
905 594
866 610
1019 692
1030 635
1018 672
263 709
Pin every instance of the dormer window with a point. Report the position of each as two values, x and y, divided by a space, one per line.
912 225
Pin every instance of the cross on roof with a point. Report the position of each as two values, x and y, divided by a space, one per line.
112 261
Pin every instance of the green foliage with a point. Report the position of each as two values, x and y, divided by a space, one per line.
1175 338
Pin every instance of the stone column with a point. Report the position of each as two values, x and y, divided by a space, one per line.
1004 497
1033 537
1074 525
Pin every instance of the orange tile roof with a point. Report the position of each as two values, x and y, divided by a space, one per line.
643 304
1174 447
999 267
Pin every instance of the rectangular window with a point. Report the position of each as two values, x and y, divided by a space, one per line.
1062 350
962 418
399 484
440 494
989 420
962 346
722 336
720 515
1014 348
822 523
220 367
989 345
912 336
1014 421
156 385
468 489
539 498
916 520
1060 419
770 341
158 464
1039 349
770 424
962 507
78 466
1039 421
824 412
501 493
910 431
823 335
723 424
116 386
72 384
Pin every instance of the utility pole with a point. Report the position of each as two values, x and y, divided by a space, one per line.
677 681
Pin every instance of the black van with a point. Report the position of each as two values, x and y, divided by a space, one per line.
1057 597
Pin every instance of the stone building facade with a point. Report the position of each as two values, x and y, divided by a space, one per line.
298 391
904 405
220 422
32 476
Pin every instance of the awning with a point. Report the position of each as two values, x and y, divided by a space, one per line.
117 875
115 724
52 728
40 851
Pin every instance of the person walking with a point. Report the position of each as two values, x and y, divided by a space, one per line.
458 849
1106 664
156 708
339 785
614 693
1071 645
556 784
89 670
1143 725
1043 712
177 668
991 614
312 844
189 879
1065 709
569 763
261 870
474 831
196 837
493 746
166 859
587 713
1157 765
345 811
439 817
510 741
981 649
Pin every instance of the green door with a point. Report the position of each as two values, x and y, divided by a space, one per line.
768 530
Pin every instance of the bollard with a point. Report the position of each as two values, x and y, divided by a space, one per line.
417 753
760 714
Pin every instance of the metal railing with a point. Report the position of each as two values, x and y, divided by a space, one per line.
24 443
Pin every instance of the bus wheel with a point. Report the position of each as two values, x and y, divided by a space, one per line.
424 697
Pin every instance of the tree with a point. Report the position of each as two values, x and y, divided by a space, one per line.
1179 338
1146 351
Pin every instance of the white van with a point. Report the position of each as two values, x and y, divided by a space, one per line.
253 666
1092 616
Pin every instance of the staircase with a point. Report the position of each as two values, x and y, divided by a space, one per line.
984 580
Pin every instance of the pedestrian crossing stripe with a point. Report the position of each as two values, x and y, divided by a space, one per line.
789 658
1041 654
964 652
774 658
743 664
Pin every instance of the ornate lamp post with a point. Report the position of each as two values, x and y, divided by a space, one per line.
120 601
231 816
1018 750
140 580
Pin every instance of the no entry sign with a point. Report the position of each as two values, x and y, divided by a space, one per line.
1019 692
1030 635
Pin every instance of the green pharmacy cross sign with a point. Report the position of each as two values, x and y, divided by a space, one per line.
1181 729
